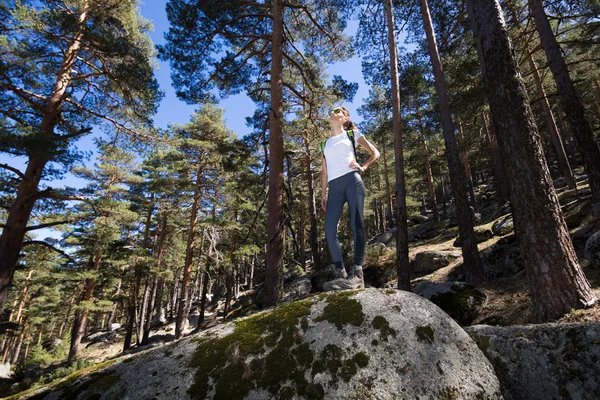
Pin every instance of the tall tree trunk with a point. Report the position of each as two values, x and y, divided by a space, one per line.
464 155
17 348
500 182
113 313
11 239
159 309
22 299
189 255
81 316
141 315
132 307
149 311
402 260
429 177
251 277
312 211
569 99
275 219
563 161
472 262
204 293
556 281
597 90
388 190
302 234
66 319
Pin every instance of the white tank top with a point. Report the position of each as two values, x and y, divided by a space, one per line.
338 154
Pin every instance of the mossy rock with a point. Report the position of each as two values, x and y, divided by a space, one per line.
379 275
379 344
482 233
463 302
503 225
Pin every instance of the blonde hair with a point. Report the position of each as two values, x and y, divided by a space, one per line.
348 125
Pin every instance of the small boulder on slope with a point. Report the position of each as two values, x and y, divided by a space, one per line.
545 361
383 344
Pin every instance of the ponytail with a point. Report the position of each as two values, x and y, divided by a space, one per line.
348 125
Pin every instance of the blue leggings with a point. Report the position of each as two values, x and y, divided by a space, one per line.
347 188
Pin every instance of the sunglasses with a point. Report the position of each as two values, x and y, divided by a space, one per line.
336 111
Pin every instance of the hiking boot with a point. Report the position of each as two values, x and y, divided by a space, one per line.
356 278
339 273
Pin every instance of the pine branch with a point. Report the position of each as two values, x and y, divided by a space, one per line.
16 171
42 226
48 245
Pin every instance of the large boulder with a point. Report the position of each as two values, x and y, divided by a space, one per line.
547 361
379 275
592 249
387 238
503 226
482 233
354 344
424 231
429 261
418 218
297 289
460 300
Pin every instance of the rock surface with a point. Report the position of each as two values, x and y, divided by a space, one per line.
297 289
462 301
592 249
429 261
382 344
482 234
547 361
503 226
379 275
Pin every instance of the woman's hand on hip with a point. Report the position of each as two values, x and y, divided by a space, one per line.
356 166
324 203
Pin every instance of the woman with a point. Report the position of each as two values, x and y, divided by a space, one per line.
340 173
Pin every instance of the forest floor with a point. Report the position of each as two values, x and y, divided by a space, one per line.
509 302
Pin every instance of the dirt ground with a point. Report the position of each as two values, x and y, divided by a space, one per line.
509 302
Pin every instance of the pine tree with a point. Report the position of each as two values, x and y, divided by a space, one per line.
64 67
557 283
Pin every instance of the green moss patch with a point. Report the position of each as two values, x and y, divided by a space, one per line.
262 352
425 334
383 326
332 360
342 310
460 303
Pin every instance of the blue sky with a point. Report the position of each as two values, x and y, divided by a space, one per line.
173 110
237 107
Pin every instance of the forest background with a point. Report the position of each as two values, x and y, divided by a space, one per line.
170 216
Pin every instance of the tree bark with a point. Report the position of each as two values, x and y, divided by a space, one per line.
11 239
275 219
429 177
464 156
313 233
388 190
563 161
597 90
80 321
189 255
402 260
472 262
500 182
569 99
556 281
